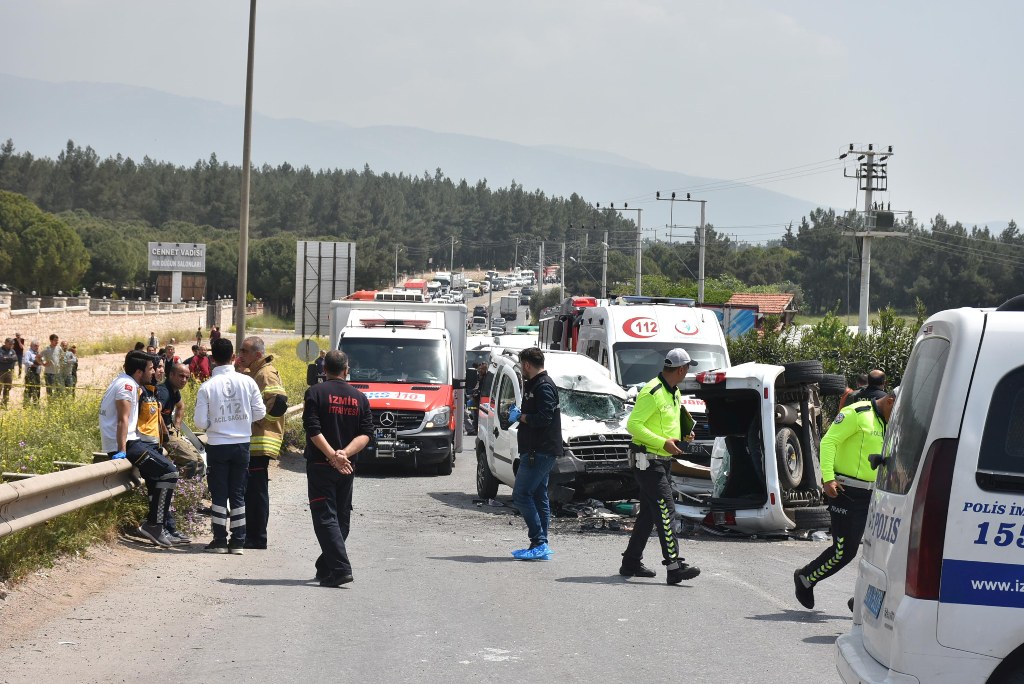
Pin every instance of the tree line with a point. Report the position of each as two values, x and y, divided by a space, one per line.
94 217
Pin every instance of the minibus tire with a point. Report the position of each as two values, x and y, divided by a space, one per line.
810 518
832 385
786 439
798 372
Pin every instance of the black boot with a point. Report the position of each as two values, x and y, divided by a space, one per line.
636 570
804 592
679 571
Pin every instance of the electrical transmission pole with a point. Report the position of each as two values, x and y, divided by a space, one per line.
700 238
871 175
604 267
639 242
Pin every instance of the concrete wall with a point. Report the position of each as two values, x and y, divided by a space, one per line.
81 319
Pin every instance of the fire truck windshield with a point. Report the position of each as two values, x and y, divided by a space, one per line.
405 361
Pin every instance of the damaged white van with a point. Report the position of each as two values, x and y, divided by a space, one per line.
767 422
595 444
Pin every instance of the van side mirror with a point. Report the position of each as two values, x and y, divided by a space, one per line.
876 461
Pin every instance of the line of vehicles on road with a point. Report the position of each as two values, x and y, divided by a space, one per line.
940 587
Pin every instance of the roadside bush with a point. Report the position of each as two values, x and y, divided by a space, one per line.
291 367
66 429
840 351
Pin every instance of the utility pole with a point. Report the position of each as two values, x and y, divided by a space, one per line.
561 271
871 176
639 243
700 238
540 279
604 267
515 260
451 260
243 222
397 247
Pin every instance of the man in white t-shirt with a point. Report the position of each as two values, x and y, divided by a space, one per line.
119 420
226 407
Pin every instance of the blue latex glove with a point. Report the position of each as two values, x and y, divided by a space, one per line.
118 455
513 413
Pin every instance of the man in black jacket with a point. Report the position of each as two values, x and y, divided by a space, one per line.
875 388
338 426
540 443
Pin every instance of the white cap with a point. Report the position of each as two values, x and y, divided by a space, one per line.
678 357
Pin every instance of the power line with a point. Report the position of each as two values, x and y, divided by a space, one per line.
800 171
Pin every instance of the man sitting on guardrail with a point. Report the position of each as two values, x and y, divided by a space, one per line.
119 421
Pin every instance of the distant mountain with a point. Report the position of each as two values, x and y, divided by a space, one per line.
41 117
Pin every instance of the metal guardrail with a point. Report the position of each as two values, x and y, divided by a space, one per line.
30 502
37 499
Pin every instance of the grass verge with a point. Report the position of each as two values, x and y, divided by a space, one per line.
31 439
183 341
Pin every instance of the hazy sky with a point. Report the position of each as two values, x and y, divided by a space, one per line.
726 89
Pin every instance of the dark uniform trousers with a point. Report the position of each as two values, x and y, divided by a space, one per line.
257 501
160 475
330 504
657 510
849 513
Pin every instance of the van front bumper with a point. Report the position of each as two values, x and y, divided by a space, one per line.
427 447
605 479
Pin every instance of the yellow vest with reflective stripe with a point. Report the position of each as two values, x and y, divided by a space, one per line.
267 433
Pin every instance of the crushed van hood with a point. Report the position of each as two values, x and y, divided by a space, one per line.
580 427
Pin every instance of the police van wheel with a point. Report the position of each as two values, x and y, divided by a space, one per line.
789 457
486 483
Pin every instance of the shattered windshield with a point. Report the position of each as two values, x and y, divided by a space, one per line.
588 405
388 360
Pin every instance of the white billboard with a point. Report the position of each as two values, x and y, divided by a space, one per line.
324 271
180 257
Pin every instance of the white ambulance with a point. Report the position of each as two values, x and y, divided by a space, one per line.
940 586
631 336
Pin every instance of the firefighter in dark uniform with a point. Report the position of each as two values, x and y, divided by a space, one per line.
655 425
338 425
848 477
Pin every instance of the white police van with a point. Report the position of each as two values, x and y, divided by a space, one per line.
940 586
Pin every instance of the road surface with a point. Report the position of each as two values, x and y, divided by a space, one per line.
436 598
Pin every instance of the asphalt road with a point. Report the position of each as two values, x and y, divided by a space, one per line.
438 598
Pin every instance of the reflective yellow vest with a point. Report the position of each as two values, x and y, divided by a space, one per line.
855 433
656 417
268 432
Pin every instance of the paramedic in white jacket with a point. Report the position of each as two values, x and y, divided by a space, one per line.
226 407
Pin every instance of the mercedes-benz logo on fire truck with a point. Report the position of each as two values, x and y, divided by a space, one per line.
387 419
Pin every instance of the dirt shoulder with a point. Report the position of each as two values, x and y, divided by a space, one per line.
45 594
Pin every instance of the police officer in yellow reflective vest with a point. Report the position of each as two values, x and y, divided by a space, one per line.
848 477
266 441
656 426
